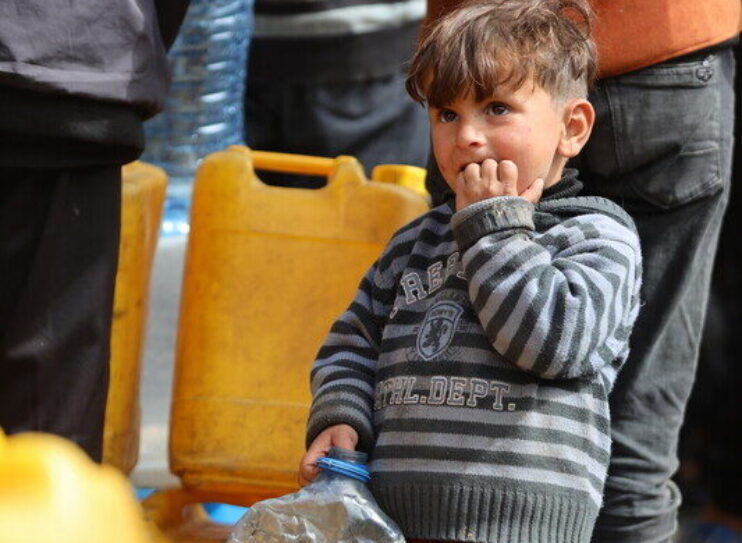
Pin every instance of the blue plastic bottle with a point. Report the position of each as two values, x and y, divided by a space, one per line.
204 109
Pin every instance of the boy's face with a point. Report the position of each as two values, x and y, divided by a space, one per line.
523 125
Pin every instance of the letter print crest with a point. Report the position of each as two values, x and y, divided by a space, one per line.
438 329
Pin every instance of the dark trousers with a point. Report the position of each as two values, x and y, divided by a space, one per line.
662 148
59 236
374 120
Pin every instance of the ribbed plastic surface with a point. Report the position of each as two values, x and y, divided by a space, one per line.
203 112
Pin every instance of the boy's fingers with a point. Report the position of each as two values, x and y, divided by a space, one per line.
489 170
307 470
336 436
318 448
307 474
472 173
460 183
461 191
533 193
345 441
508 173
311 457
344 436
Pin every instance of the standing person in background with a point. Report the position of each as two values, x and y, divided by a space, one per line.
661 148
710 474
326 77
76 82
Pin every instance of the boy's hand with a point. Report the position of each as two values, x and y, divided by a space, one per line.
489 179
340 435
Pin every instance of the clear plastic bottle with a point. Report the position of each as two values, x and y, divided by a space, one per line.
336 507
204 110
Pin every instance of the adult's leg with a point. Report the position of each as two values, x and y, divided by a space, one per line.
263 112
661 148
59 234
266 106
373 120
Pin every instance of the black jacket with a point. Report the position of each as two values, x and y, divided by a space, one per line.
78 78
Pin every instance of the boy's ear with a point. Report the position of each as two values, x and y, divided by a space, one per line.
579 117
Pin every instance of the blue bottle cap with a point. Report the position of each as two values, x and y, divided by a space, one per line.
354 471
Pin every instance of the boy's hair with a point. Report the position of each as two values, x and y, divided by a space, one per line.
484 44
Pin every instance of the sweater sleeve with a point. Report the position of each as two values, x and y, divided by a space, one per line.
558 304
343 375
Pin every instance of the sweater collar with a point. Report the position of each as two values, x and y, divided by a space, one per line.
566 187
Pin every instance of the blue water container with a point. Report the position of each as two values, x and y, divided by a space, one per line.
204 109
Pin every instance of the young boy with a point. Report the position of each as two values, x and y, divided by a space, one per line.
475 362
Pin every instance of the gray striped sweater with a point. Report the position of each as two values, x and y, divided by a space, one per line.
475 364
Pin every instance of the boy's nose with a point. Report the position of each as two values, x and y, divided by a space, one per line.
470 135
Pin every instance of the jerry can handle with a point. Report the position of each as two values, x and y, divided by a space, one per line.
290 163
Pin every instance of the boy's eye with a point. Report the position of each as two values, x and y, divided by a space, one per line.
497 108
447 116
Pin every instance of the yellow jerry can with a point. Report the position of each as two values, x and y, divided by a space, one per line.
268 269
143 194
404 175
50 492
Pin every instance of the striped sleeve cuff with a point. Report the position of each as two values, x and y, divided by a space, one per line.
488 216
340 407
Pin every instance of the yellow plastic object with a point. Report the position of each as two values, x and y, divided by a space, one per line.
50 492
289 163
267 271
143 194
410 177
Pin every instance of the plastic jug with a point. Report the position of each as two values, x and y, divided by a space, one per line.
268 269
51 492
143 193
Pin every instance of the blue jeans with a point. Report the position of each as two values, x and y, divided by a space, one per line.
662 148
